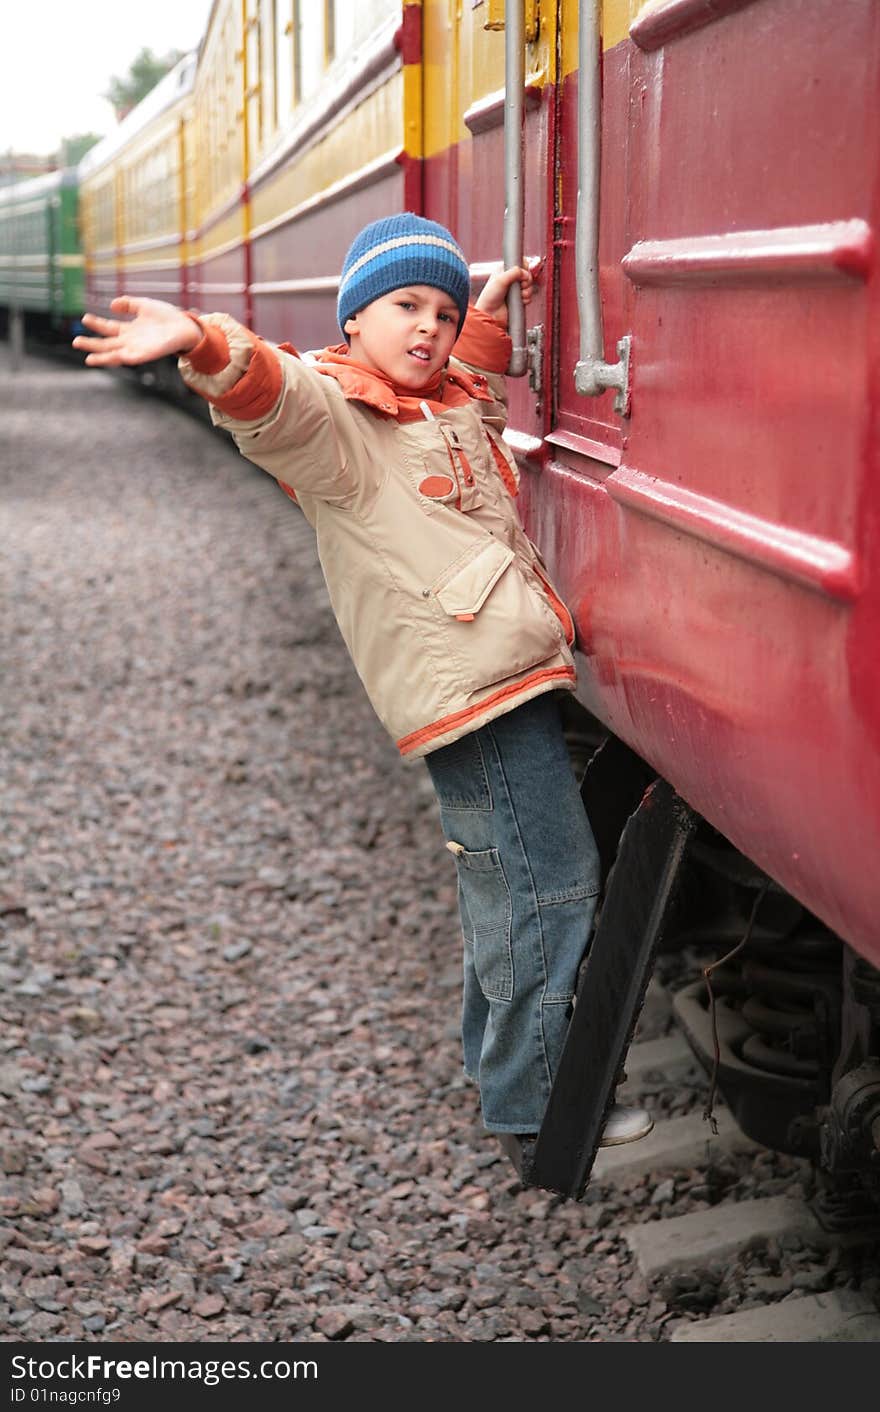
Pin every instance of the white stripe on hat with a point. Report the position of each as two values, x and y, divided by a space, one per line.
395 244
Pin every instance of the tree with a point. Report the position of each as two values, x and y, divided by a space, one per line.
144 74
73 149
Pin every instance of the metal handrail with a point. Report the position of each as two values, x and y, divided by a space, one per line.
592 375
514 199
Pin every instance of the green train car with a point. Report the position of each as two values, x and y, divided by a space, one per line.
41 260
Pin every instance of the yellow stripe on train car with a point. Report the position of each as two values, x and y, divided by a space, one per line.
464 64
617 16
219 238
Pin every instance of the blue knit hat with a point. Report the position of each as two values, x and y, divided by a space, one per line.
400 250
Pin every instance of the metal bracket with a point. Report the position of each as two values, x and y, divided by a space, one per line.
535 358
592 376
495 17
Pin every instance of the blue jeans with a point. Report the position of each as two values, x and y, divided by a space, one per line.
528 880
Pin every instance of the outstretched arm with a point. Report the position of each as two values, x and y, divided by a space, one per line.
155 330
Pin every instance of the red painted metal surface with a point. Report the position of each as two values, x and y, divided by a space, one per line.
721 547
307 253
218 283
408 35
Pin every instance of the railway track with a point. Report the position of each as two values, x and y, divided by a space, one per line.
777 1235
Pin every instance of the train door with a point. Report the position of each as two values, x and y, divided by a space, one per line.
712 536
589 425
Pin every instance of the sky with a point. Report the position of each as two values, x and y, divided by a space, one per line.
63 54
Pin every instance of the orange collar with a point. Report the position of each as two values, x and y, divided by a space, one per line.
450 387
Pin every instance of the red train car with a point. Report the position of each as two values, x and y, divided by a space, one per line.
697 420
700 433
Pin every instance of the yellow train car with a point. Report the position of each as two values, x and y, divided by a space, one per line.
301 113
138 195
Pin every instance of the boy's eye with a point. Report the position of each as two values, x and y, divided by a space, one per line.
408 304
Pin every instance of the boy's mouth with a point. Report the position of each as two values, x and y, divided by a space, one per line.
421 352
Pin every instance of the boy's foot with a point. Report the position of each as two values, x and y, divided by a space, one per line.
520 1148
513 1143
625 1125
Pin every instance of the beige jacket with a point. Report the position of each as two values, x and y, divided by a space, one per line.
442 600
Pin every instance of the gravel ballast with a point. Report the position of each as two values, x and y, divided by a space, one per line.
230 1080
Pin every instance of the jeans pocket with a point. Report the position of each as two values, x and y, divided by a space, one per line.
487 905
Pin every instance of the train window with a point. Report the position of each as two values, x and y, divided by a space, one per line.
355 20
267 66
254 80
219 116
101 214
329 32
308 48
284 58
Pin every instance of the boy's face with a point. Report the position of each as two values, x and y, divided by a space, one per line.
407 334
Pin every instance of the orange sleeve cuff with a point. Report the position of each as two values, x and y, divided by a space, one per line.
483 343
211 355
257 391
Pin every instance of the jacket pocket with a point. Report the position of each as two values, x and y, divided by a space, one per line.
463 594
497 624
447 476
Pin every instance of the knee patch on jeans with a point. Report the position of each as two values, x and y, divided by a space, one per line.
459 775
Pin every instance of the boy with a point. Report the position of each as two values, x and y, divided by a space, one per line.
393 450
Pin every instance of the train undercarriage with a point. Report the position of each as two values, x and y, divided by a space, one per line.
787 1025
786 1022
783 1015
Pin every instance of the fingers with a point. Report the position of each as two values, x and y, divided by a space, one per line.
107 349
95 345
99 324
102 352
127 304
529 271
517 274
533 273
526 275
508 277
104 360
529 276
108 328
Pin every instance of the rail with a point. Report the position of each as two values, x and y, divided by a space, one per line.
514 209
592 375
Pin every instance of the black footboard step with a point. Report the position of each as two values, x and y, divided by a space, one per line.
613 784
611 991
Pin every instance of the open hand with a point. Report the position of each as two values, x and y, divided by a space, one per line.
156 329
493 299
